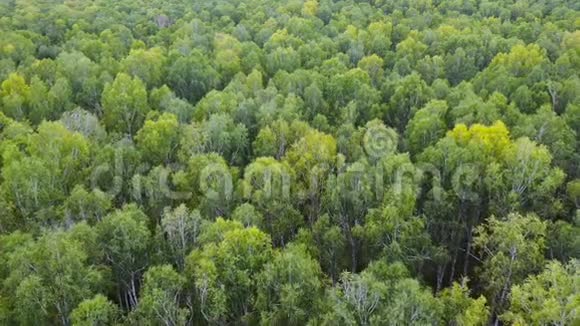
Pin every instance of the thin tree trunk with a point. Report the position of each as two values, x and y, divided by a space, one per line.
453 262
467 251
440 276
352 252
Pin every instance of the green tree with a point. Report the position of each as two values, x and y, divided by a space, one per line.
267 185
247 215
327 243
14 96
311 158
460 309
191 77
124 104
459 66
164 99
510 249
158 139
160 297
82 205
124 240
549 298
427 126
49 277
224 273
98 311
85 123
381 295
84 77
289 288
147 65
407 95
207 183
182 228
373 65
219 134
39 172
347 199
527 179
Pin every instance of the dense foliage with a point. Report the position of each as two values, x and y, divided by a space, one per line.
320 162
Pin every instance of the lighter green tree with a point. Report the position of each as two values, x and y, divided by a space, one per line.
289 288
98 311
160 298
510 248
549 298
124 104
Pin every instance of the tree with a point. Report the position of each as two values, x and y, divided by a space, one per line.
124 239
460 309
411 47
520 60
82 205
39 172
459 66
466 162
379 38
219 134
158 139
282 58
347 199
9 244
227 56
160 298
352 88
472 109
38 99
510 249
562 240
18 46
373 65
508 70
164 99
267 185
549 298
49 277
85 123
383 295
124 104
14 95
84 77
98 311
527 179
277 138
216 102
224 272
312 157
182 228
431 68
407 95
207 183
48 102
191 77
547 128
327 243
147 65
356 300
427 126
247 215
289 288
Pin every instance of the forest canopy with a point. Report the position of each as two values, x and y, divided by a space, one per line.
269 162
